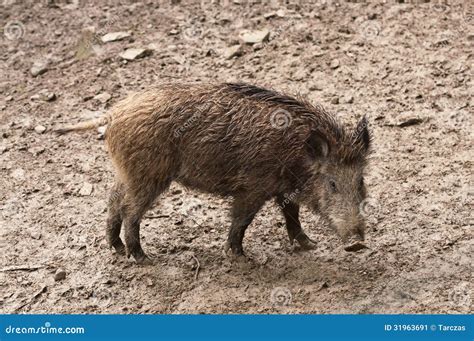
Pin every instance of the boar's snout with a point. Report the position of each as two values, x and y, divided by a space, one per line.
351 229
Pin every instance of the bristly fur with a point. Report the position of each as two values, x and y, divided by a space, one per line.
220 139
346 147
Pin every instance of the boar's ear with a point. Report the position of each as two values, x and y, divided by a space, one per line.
317 145
361 134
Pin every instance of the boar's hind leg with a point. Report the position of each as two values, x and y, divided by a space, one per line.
135 204
114 220
244 210
291 212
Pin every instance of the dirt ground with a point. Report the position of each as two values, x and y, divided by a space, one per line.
408 67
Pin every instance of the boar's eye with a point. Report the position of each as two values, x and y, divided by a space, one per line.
333 186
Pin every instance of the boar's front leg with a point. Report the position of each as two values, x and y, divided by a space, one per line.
244 209
291 212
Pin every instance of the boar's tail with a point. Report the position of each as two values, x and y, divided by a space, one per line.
92 124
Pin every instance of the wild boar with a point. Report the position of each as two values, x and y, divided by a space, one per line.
237 140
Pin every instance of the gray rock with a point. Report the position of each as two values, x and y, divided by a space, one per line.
253 37
101 132
233 51
348 99
115 36
270 15
39 67
45 95
60 275
103 97
40 129
134 53
86 189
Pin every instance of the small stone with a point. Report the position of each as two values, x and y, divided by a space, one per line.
347 99
233 51
315 87
86 190
253 37
103 97
281 13
44 95
59 275
335 64
410 122
132 54
8 98
39 67
115 36
335 100
35 235
101 132
355 247
270 15
51 96
40 129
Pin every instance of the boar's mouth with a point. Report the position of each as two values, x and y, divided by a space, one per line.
348 233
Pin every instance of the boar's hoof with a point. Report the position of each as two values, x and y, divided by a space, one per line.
143 260
119 247
140 257
305 242
232 251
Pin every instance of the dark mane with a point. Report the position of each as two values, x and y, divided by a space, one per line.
266 95
323 122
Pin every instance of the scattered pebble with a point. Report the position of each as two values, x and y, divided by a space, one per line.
103 97
115 36
270 15
335 64
355 247
253 37
40 129
101 132
134 53
347 99
60 275
44 95
410 122
35 235
39 67
86 189
233 51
